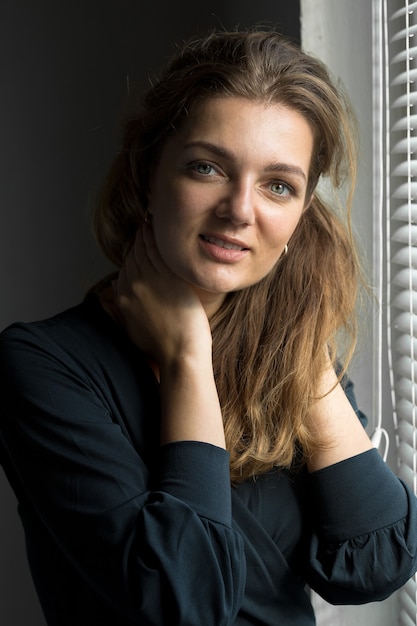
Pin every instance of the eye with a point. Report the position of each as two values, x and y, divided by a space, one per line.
281 189
205 169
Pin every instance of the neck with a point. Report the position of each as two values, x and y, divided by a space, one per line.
211 301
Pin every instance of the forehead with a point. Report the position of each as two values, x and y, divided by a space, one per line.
254 130
227 108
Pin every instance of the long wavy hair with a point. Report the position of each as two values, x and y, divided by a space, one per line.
269 340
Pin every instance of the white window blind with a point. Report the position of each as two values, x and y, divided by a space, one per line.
395 84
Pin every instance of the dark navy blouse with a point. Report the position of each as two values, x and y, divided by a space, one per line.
122 531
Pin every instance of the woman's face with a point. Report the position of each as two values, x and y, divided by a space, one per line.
228 192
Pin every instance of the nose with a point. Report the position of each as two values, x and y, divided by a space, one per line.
238 204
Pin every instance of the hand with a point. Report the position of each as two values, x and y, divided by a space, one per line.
165 318
161 312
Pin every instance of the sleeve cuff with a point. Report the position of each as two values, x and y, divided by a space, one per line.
198 474
356 496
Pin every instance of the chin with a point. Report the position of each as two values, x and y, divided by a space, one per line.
219 285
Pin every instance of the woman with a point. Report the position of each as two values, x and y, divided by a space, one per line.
180 444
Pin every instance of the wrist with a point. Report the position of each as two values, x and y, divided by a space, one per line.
190 407
186 363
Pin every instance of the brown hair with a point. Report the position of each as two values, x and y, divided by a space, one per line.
268 340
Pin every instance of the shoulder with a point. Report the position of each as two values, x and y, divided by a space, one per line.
77 339
79 348
59 332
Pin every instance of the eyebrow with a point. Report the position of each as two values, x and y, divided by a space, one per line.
289 169
228 154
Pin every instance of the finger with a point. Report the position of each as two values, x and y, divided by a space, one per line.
128 274
120 285
116 299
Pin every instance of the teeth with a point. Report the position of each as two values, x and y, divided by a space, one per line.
223 244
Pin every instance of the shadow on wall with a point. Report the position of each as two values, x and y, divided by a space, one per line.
66 69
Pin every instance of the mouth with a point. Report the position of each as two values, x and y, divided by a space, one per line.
224 243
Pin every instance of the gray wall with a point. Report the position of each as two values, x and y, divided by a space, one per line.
64 68
344 42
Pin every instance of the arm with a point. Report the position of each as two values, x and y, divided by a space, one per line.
336 424
164 317
364 541
147 545
155 547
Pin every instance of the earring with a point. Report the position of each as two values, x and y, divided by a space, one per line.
285 251
146 217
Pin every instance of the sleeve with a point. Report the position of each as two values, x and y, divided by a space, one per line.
164 554
364 545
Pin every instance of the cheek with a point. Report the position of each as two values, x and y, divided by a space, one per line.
172 205
277 236
280 229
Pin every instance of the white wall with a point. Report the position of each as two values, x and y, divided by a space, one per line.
340 33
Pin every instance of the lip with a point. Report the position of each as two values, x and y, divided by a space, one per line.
223 249
224 241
